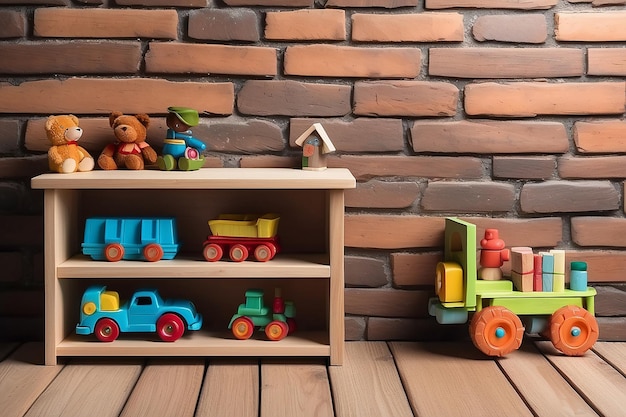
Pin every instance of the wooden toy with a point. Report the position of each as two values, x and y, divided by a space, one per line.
492 256
316 144
180 149
277 322
522 268
496 328
240 235
116 238
102 314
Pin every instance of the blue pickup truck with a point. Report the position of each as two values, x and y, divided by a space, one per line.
102 314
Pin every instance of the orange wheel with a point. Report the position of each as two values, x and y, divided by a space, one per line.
212 252
238 253
276 330
262 253
496 331
153 252
114 252
242 328
573 330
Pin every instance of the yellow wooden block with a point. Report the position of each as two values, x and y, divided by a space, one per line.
559 261
449 282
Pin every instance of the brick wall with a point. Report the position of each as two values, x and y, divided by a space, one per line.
507 113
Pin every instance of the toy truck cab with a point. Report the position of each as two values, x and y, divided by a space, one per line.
102 314
277 321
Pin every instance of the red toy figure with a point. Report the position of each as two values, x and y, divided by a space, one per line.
492 256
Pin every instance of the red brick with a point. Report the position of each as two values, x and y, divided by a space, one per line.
393 231
86 57
598 167
415 27
348 61
527 99
162 3
362 271
505 62
293 98
468 196
270 161
175 57
602 265
306 24
518 28
405 98
134 95
240 135
491 4
287 3
38 2
568 197
362 134
105 23
489 137
410 269
601 136
9 135
224 25
606 61
12 24
544 232
598 231
611 300
384 302
382 194
366 167
607 26
355 328
524 167
388 4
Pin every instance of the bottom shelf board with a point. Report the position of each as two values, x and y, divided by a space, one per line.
199 343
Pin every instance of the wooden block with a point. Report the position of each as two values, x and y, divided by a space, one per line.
558 282
522 282
522 260
537 273
547 262
559 261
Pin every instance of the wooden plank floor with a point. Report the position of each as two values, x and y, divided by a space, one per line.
378 379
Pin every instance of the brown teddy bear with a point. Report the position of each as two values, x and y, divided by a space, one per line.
130 149
65 156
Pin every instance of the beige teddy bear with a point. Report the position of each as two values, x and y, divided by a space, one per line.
64 155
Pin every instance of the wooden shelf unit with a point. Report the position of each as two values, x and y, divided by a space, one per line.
310 269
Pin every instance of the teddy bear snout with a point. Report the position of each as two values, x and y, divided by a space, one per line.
125 133
73 133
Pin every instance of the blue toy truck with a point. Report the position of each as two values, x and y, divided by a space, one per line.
102 314
116 238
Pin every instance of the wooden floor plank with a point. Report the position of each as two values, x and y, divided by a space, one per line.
166 387
368 384
289 389
614 353
454 379
88 388
23 378
594 379
543 388
231 388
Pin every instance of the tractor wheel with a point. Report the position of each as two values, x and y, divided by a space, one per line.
212 252
238 253
107 330
496 331
263 253
573 330
291 324
276 330
153 252
242 328
113 252
170 327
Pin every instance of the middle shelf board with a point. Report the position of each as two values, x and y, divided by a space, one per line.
282 266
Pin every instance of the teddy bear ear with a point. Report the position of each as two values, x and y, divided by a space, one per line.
114 115
74 119
143 118
49 122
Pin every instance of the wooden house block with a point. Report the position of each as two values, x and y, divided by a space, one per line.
522 260
522 282
315 144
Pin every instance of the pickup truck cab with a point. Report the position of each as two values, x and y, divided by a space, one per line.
102 314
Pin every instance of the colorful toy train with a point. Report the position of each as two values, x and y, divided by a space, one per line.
501 314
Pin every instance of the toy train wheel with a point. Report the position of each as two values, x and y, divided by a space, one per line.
212 252
153 252
496 331
276 330
242 328
573 330
264 253
113 252
170 327
107 330
238 253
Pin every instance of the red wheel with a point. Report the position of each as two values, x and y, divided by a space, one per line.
276 330
212 252
291 323
263 253
113 252
242 328
170 327
238 253
573 330
107 330
496 331
153 252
